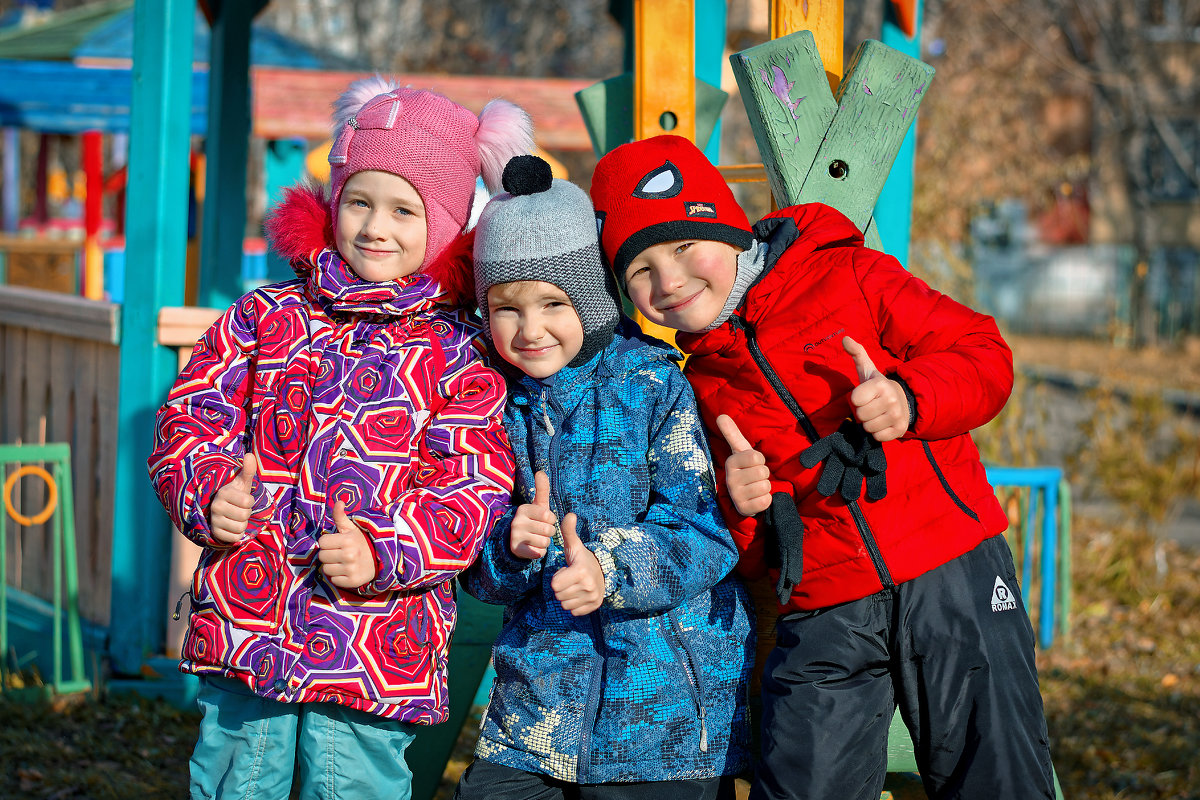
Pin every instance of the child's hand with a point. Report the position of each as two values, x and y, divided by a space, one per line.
579 586
231 508
346 556
879 402
533 524
746 474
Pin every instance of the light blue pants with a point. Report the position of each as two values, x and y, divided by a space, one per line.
249 747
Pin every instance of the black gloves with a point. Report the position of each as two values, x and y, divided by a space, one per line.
784 521
851 455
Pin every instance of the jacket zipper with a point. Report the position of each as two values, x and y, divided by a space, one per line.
764 365
593 704
687 659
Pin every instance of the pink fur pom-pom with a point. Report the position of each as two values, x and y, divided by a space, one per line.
356 96
505 131
301 224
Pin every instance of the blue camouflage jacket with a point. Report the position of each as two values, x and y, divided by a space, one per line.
653 685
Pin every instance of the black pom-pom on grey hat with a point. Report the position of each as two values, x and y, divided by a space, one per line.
544 229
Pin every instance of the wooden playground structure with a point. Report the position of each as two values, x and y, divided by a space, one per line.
91 373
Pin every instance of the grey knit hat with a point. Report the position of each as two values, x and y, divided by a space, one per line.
544 229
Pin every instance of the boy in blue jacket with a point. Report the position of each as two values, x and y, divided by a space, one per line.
622 667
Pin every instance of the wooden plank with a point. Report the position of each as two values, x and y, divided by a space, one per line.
822 18
104 459
878 101
36 541
61 314
790 107
664 68
182 326
84 470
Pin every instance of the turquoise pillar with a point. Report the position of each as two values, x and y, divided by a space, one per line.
227 146
893 210
284 168
710 56
156 241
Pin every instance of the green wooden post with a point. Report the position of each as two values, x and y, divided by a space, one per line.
156 243
226 148
470 653
893 211
818 148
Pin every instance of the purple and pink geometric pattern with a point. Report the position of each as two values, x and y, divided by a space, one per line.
367 393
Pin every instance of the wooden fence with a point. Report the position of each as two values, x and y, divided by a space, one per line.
59 365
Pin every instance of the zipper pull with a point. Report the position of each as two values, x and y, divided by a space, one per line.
179 605
703 732
546 415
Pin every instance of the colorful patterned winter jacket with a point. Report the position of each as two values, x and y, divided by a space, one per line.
368 393
652 686
779 369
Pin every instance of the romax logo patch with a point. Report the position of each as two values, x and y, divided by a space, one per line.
808 348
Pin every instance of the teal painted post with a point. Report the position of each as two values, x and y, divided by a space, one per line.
893 210
710 50
284 168
227 146
156 243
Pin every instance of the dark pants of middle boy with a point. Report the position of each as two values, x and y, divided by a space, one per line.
483 780
953 648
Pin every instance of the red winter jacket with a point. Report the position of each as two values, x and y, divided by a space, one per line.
820 283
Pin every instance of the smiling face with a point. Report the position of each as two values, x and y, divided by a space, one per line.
534 326
381 223
684 284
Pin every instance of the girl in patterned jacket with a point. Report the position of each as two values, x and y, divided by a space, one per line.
622 667
335 446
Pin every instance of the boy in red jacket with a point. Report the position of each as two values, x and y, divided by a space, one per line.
856 486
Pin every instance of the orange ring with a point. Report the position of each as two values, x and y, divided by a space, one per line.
51 502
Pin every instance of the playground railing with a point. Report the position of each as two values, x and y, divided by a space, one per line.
59 384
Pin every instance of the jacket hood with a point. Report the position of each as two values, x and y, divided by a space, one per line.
300 227
807 228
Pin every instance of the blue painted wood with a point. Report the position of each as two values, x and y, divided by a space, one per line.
893 210
224 221
62 98
156 242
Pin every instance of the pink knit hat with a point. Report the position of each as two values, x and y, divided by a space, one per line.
432 142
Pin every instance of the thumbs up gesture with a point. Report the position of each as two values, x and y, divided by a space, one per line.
232 505
345 554
533 524
879 402
746 474
579 586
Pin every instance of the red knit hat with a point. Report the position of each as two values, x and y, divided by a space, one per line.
662 189
429 140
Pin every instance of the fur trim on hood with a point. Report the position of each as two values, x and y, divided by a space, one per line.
300 226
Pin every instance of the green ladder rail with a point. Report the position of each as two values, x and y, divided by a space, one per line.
60 510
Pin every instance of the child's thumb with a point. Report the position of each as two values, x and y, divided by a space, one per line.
862 361
571 541
541 489
249 470
733 434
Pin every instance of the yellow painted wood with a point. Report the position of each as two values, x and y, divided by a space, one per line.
825 19
664 67
664 83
